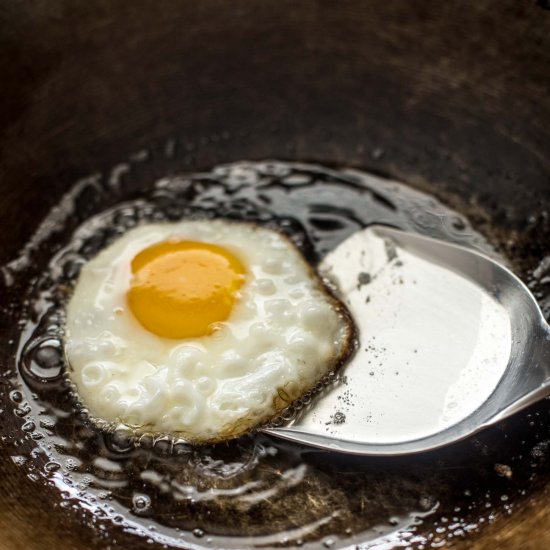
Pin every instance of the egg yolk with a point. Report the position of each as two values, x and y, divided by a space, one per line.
179 289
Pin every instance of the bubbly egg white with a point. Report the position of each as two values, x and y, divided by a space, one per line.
284 334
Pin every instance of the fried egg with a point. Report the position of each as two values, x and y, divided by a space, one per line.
201 328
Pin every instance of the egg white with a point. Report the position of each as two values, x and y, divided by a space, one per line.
284 334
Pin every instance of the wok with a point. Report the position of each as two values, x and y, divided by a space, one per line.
450 98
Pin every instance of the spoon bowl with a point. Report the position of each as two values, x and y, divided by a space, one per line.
450 342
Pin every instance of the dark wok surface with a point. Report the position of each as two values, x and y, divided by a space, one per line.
450 98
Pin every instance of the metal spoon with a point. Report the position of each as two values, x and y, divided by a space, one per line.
451 342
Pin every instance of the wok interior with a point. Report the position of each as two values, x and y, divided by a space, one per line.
450 99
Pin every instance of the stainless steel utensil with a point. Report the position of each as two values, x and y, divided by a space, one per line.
450 342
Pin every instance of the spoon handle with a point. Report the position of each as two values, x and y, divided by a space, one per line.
539 372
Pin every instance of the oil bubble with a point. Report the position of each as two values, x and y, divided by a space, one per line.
141 503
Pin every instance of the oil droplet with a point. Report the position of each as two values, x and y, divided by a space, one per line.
28 426
51 467
141 503
16 396
120 441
